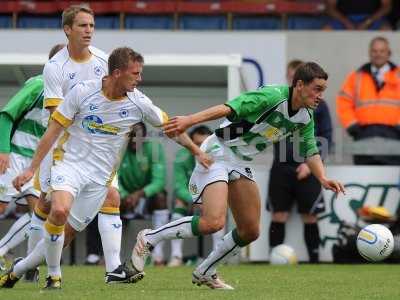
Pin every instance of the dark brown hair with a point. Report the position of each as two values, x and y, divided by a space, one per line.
309 71
120 58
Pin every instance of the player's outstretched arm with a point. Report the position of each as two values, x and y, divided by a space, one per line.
177 125
318 170
201 157
45 143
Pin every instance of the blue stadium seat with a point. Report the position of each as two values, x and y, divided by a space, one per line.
256 23
196 22
35 21
149 22
107 22
305 22
5 21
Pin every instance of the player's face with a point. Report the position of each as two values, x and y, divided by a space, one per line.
198 139
379 53
311 94
132 76
82 29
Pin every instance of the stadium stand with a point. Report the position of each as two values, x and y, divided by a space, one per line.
179 14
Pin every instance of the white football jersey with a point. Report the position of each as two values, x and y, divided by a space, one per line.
98 128
61 73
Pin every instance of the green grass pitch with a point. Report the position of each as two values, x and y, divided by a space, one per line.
251 281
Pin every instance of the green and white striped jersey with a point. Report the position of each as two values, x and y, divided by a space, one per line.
261 118
26 111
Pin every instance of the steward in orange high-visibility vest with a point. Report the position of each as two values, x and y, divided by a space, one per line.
368 104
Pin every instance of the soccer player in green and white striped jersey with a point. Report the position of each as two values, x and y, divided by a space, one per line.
255 120
21 124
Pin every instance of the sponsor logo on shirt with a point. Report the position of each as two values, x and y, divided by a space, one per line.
59 179
71 75
94 124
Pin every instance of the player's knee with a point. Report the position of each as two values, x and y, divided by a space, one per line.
280 217
59 214
112 199
309 218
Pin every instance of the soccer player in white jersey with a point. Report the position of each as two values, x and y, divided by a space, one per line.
255 120
77 62
97 116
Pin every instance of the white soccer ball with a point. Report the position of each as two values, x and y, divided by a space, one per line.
375 242
283 255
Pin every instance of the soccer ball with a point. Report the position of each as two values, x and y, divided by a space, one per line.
375 242
283 255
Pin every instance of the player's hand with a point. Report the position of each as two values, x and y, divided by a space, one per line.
23 178
333 185
177 125
303 171
4 162
204 159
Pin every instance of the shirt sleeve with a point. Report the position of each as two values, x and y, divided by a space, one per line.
6 125
180 176
308 144
52 76
152 113
66 111
158 172
246 104
23 99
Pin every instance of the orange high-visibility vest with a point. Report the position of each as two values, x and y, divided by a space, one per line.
360 101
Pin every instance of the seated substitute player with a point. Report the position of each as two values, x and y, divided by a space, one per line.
99 137
291 181
256 120
141 179
183 167
21 126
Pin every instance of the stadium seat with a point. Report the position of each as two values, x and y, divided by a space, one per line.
149 22
5 21
298 22
196 22
39 21
256 22
107 22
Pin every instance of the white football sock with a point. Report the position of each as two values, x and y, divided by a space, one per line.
224 250
176 244
160 217
54 240
33 260
217 237
35 232
16 234
181 228
110 228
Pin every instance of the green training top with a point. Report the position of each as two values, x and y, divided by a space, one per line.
25 111
183 167
261 118
145 169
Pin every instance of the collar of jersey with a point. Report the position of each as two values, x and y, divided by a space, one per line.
113 99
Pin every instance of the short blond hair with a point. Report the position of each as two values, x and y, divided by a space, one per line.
69 14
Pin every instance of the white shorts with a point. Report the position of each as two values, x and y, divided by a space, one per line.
88 195
45 173
226 168
18 164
